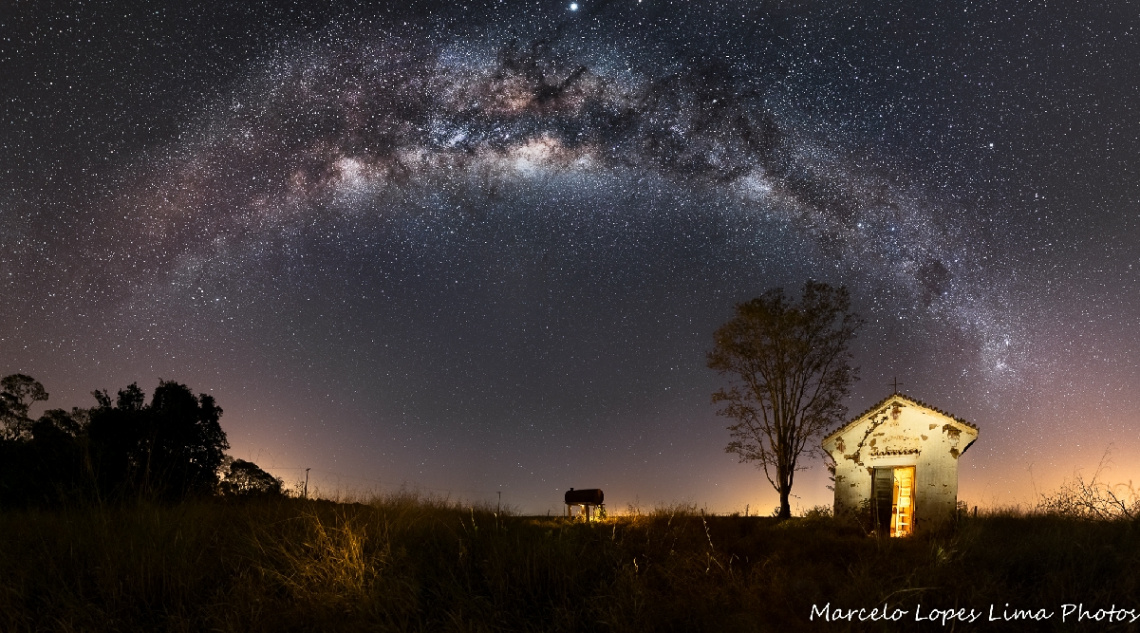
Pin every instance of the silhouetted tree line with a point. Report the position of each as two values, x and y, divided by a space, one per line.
122 449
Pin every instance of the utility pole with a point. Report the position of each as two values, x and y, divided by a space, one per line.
499 507
305 494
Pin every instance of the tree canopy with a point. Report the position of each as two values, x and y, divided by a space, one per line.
246 479
169 449
789 373
122 449
17 395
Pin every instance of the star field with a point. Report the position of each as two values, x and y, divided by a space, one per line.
481 247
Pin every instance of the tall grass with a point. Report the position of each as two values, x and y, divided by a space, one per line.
407 563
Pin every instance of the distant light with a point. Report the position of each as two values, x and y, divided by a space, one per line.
573 6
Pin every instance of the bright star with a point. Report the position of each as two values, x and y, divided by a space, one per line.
573 6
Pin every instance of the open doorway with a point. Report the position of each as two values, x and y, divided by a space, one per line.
893 500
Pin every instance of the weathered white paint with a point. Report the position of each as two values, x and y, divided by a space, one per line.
900 431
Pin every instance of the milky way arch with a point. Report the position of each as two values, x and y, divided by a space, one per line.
370 124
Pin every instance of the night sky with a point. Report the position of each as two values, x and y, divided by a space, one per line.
465 248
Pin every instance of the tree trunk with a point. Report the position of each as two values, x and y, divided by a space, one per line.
785 507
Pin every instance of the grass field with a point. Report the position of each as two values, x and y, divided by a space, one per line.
413 564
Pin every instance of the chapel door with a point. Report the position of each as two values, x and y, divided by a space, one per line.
892 493
882 498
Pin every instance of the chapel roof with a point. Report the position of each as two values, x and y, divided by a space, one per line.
903 398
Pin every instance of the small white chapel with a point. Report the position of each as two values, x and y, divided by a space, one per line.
899 459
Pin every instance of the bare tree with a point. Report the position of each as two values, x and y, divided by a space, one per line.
790 373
